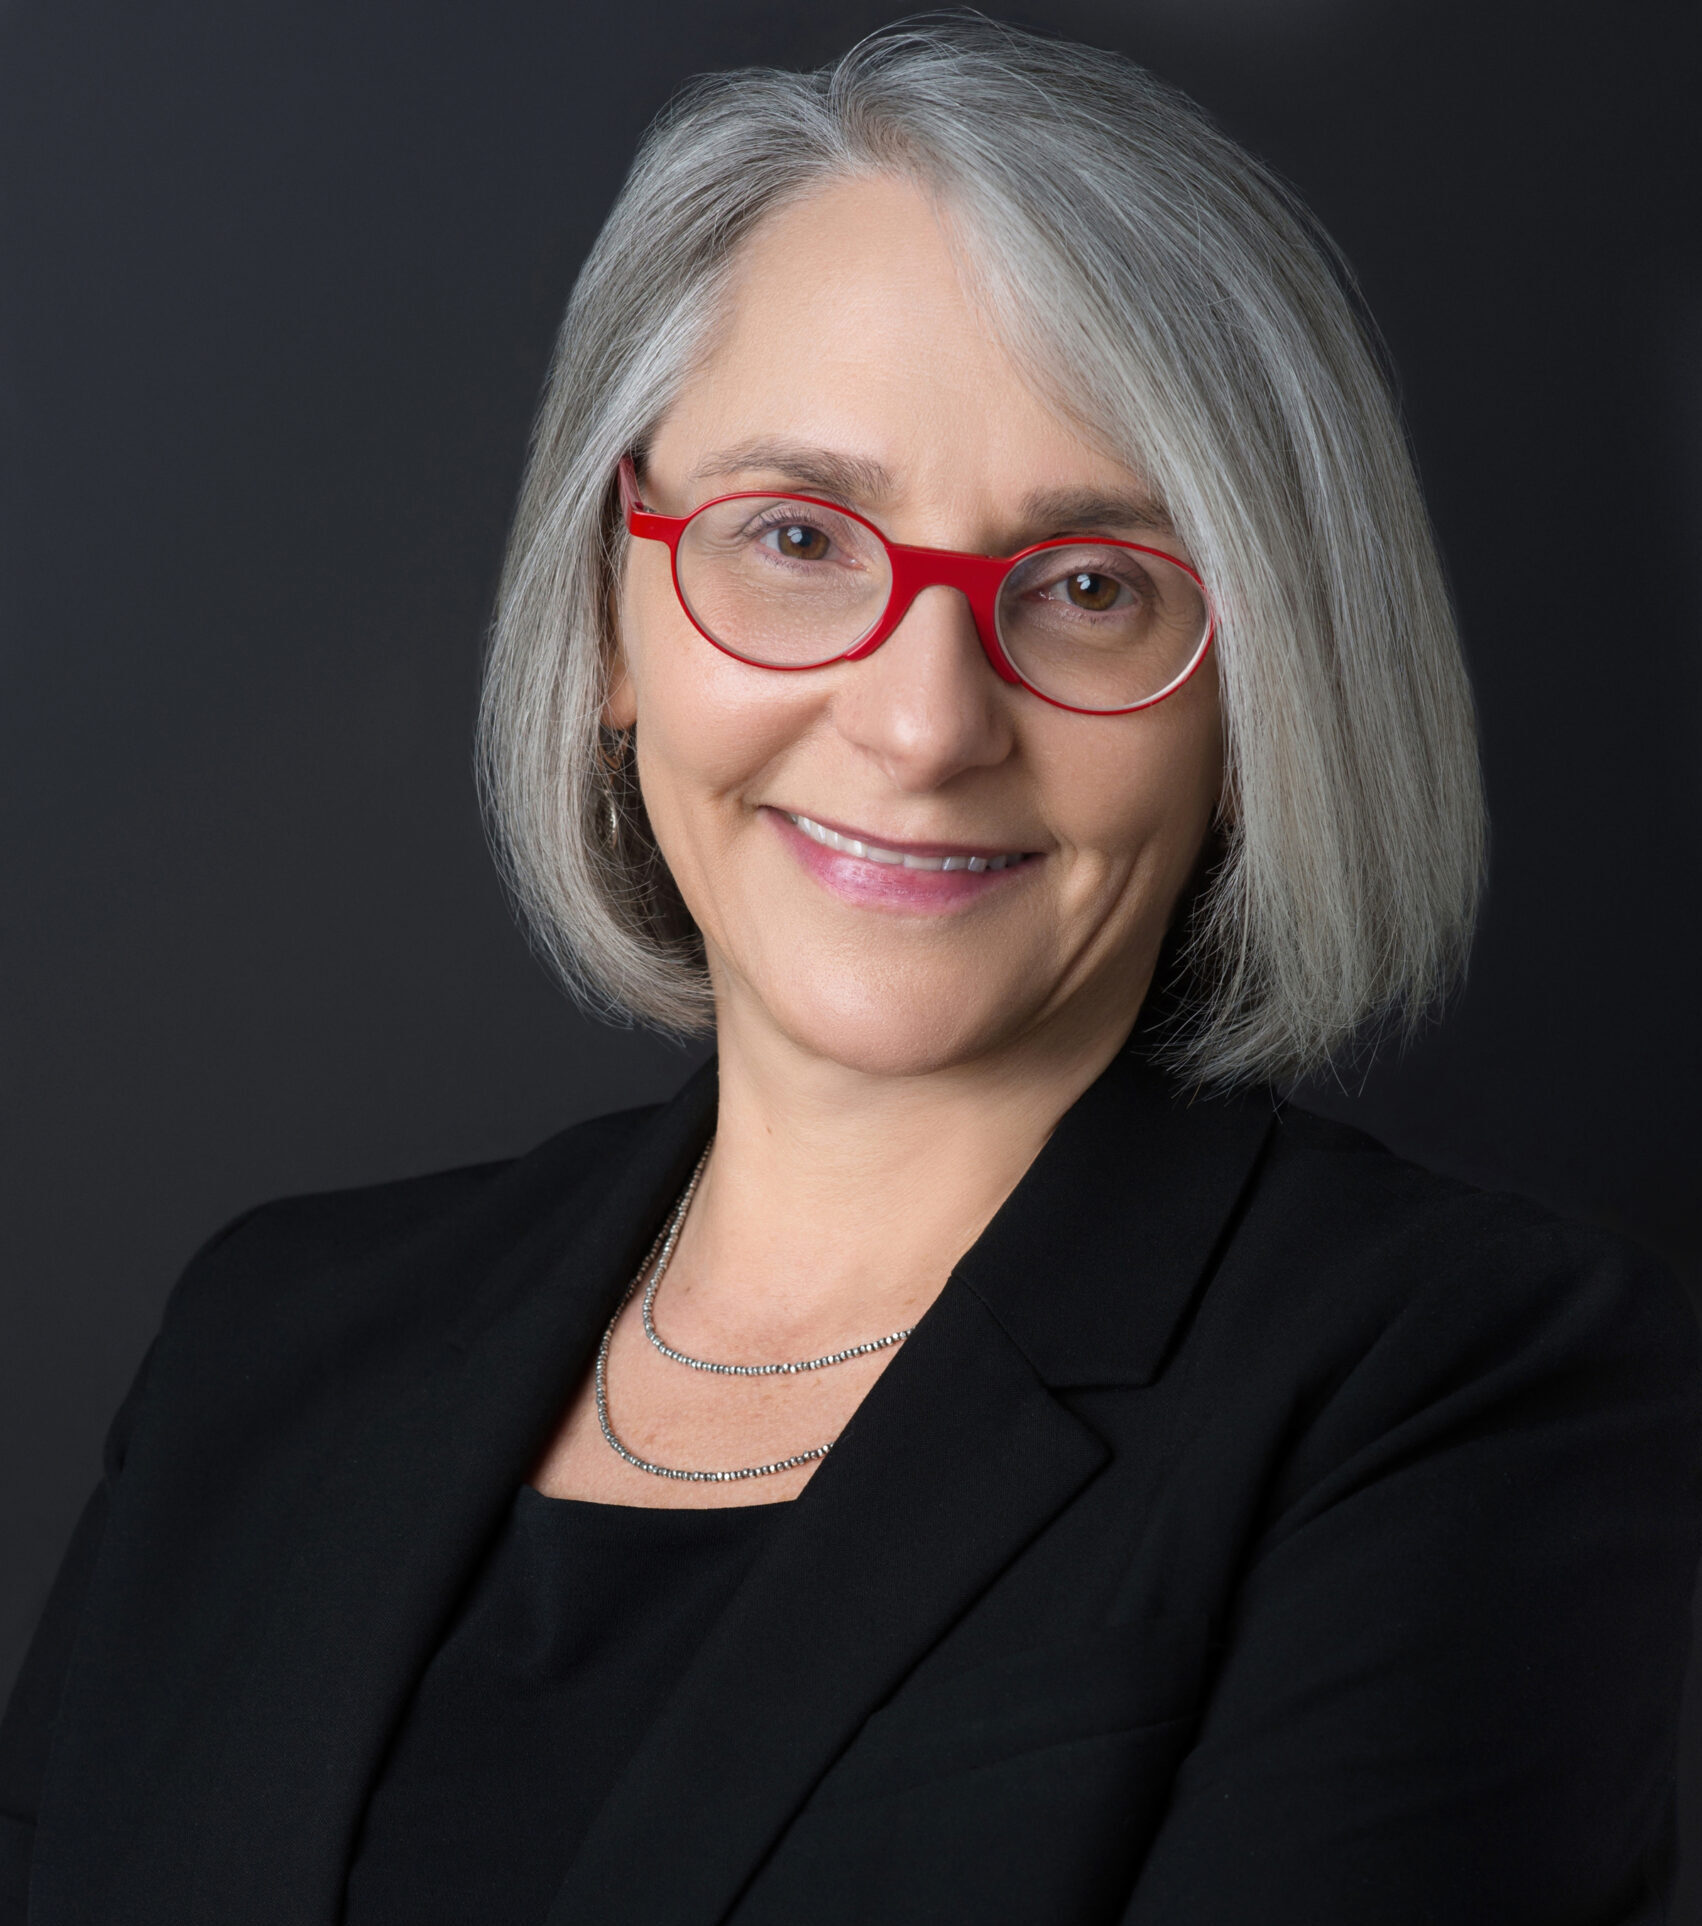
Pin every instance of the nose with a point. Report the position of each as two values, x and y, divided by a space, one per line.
927 704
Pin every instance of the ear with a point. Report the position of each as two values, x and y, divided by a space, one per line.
620 705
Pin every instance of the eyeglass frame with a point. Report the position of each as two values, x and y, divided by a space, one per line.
978 578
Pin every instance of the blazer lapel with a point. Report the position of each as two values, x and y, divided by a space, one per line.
956 1459
1099 1253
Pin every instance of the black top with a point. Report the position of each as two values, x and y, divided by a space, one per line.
1256 1528
569 1642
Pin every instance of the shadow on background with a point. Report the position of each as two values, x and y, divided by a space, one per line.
279 288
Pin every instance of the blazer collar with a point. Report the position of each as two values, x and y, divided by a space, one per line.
1089 1266
1093 1261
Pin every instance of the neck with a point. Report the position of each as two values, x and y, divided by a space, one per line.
838 1197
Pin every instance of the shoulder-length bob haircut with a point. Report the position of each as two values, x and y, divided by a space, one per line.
1171 299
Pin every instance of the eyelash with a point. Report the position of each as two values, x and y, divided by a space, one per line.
775 518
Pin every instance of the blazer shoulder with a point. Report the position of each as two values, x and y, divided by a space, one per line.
278 1257
1410 1244
1344 1178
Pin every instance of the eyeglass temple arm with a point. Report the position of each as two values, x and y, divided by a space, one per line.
639 519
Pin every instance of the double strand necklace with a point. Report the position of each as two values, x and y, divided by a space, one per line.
654 1266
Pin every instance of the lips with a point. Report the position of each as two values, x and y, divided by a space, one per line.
933 858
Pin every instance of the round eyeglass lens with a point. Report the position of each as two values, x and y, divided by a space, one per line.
1101 625
781 582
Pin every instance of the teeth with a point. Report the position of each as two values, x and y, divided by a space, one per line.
872 852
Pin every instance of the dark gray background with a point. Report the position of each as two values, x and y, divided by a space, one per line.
277 288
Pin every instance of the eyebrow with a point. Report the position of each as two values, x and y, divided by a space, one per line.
823 471
860 481
1083 511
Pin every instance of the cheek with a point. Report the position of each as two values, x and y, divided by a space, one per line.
1132 797
705 725
706 735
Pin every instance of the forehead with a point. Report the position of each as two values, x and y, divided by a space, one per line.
849 327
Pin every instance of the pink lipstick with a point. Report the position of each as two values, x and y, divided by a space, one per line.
919 878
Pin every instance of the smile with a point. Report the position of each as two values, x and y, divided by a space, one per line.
898 858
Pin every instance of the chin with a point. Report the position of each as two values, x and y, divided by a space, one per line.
895 1028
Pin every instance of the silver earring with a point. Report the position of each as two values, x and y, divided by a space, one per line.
611 768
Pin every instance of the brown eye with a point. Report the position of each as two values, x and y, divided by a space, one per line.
802 543
1095 592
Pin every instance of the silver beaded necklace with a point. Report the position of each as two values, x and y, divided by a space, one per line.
654 1266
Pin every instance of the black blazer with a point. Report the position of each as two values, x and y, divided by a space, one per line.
1257 1529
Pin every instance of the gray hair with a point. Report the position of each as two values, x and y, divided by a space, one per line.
1173 299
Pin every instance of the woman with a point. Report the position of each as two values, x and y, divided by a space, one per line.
971 636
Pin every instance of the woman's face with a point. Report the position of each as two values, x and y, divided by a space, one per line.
853 366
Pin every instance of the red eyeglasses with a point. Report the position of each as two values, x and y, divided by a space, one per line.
792 582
